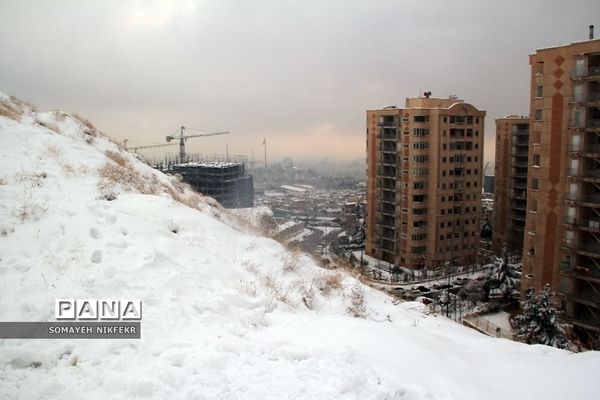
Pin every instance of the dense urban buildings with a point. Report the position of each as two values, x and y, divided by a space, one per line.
562 240
510 197
424 168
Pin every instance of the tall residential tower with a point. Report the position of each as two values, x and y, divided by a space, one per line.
424 167
562 239
510 196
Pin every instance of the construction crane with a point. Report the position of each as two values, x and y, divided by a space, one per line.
485 169
149 146
182 138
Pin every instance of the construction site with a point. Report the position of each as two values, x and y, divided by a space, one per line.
222 178
225 181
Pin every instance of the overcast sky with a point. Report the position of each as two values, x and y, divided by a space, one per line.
300 73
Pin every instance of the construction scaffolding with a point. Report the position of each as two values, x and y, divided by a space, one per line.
225 181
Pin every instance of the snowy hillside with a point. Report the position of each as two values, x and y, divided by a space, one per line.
227 314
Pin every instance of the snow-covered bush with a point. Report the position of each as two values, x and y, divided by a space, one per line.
503 281
538 324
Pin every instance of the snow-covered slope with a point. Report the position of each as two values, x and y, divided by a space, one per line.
227 314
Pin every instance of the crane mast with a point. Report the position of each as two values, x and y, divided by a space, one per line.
182 138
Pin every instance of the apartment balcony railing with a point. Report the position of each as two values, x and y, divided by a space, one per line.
589 98
387 147
583 173
592 124
387 134
386 222
589 249
586 298
593 198
591 72
583 223
588 322
520 132
584 148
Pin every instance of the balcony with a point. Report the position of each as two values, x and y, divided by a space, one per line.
588 273
592 73
590 323
583 224
592 125
386 222
521 132
591 99
592 199
592 149
586 249
387 134
589 298
585 175
387 147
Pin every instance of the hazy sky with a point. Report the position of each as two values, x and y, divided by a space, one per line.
300 73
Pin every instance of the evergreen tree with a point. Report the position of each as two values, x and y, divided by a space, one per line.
503 281
538 323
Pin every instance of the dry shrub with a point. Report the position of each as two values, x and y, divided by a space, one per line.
90 130
116 157
2 181
33 178
9 111
356 298
276 291
28 208
308 296
247 287
328 282
291 261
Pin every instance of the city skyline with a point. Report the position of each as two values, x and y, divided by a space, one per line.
300 74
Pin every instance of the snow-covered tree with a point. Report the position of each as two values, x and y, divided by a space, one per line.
503 280
538 322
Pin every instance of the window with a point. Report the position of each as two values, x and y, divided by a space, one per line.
536 160
539 90
535 183
532 205
538 114
421 118
420 132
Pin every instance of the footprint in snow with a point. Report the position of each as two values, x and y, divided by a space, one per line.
97 256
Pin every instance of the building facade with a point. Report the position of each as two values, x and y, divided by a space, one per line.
510 197
562 240
424 174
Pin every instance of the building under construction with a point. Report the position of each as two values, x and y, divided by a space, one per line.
225 181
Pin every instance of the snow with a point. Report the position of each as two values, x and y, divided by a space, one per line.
500 319
293 188
211 164
223 317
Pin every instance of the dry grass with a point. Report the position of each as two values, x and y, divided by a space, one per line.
328 282
276 291
9 111
28 208
49 125
247 287
118 158
291 260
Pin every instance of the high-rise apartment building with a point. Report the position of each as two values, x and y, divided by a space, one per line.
424 167
510 196
562 239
